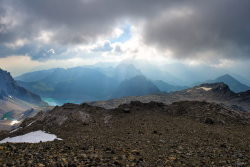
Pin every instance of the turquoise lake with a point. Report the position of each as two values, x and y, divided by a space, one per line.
59 102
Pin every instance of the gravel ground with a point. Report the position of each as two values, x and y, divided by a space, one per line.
181 134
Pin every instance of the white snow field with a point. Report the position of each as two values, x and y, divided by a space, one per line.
32 137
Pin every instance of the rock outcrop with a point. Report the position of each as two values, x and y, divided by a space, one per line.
215 92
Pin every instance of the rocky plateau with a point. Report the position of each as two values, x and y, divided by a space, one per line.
186 133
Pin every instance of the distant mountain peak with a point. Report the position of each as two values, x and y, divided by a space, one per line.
233 84
135 86
8 86
226 76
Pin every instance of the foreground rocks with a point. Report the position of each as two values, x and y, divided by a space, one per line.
150 134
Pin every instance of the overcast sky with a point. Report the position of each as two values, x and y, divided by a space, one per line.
62 33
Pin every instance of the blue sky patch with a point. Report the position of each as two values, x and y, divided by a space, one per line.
125 36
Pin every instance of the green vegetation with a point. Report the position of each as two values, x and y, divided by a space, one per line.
6 116
42 86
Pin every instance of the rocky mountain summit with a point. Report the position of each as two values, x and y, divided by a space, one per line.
219 93
9 88
187 133
215 92
232 83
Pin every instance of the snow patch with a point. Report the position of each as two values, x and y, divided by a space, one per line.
204 88
107 118
15 130
32 137
31 123
14 122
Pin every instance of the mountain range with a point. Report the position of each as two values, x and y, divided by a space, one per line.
136 118
82 83
198 73
91 83
233 84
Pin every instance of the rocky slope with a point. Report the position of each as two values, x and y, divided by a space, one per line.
216 92
188 133
15 100
9 88
232 83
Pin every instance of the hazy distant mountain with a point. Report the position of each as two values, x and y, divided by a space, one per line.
91 83
193 73
199 73
106 64
121 71
10 88
153 72
83 84
241 79
233 84
163 86
135 86
34 76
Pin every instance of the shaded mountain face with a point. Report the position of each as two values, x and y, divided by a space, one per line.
233 84
10 88
121 72
153 72
82 84
90 83
165 87
135 86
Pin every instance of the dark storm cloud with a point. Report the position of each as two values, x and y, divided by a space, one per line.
77 22
187 28
222 27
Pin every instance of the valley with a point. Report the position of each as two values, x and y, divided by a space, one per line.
108 87
99 82
120 116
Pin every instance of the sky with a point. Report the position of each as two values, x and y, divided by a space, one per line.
37 35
